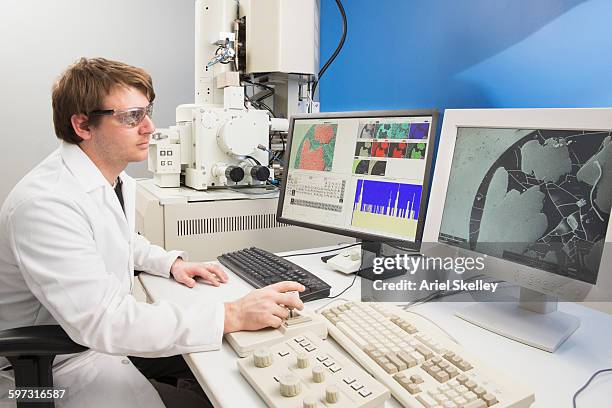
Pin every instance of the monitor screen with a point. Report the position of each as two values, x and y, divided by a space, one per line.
537 197
362 174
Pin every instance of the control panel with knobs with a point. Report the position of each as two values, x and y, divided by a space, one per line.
245 343
305 372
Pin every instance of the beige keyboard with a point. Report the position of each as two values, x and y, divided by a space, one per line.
421 366
304 371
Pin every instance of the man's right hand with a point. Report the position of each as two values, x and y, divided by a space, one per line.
265 307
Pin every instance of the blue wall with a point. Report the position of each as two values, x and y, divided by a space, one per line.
468 54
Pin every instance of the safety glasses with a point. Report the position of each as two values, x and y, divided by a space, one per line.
131 117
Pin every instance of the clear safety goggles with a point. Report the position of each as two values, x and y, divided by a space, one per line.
130 117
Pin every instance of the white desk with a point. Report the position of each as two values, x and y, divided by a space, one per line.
553 377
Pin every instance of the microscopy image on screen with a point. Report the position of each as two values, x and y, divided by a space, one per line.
380 149
416 150
378 167
363 149
539 197
370 167
367 131
397 150
314 146
419 131
361 166
392 131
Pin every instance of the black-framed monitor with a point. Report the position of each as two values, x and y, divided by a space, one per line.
530 189
361 174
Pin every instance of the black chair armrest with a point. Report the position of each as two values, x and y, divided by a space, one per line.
37 340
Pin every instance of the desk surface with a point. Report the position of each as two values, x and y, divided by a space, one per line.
553 377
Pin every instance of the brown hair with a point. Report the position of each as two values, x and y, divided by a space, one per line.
82 87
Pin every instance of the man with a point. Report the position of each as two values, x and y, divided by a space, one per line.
68 249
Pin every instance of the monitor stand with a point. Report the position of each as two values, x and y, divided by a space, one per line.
374 249
534 321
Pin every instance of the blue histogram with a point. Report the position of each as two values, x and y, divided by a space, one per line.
391 199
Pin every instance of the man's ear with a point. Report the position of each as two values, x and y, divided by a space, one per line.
81 126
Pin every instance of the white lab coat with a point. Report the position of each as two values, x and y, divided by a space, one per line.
67 255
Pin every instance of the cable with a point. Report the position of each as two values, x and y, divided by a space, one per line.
254 159
273 158
336 52
607 370
272 155
266 107
321 252
345 289
259 105
264 95
257 102
260 85
270 152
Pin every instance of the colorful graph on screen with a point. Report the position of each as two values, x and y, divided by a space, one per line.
387 207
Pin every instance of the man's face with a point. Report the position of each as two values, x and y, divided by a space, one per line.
116 143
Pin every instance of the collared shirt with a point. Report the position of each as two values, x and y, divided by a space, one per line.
67 255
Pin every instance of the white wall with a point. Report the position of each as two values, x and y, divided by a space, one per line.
39 38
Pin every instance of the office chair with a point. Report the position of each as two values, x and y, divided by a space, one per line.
31 351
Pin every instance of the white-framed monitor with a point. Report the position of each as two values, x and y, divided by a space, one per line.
532 190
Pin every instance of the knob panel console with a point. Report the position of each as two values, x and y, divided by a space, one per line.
306 372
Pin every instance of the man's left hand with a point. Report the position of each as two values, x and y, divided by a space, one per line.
185 272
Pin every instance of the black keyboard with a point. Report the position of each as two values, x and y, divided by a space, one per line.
262 268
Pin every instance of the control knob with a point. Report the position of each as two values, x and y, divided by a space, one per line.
262 358
234 173
289 385
318 374
310 402
332 394
302 360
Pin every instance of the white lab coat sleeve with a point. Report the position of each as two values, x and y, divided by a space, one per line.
153 259
53 242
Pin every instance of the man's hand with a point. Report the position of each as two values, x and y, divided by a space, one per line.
263 307
185 272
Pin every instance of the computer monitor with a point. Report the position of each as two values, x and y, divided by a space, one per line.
360 174
531 189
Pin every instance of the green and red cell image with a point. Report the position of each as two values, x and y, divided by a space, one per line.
416 150
316 149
